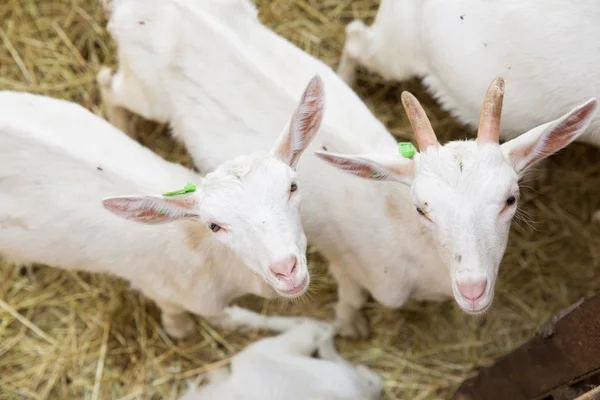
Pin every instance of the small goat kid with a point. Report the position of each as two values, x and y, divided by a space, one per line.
281 367
239 232
466 193
212 64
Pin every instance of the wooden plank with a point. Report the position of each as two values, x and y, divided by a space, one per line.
593 394
566 350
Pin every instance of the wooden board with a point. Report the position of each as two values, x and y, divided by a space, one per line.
566 350
593 394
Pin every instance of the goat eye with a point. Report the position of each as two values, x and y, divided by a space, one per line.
214 227
293 187
420 211
511 200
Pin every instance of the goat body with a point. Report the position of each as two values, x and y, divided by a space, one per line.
546 53
281 367
222 80
60 161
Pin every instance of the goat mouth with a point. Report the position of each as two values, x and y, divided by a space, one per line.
477 310
297 290
477 307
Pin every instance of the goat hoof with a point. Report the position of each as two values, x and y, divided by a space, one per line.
178 326
104 77
355 29
106 6
356 327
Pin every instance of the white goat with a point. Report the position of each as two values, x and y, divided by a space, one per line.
457 47
281 367
466 192
61 156
211 64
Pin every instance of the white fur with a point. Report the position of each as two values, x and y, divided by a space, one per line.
546 52
281 367
227 81
59 161
461 190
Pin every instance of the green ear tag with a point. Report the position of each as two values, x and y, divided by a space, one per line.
188 188
376 175
407 149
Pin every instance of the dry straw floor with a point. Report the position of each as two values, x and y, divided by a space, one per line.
67 335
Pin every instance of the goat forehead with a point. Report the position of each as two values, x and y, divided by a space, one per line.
247 174
260 190
465 172
239 167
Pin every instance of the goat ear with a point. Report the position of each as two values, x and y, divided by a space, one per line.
545 140
303 126
153 209
376 167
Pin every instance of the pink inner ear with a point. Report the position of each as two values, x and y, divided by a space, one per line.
355 167
310 122
152 210
365 168
118 205
310 113
146 215
306 120
559 137
566 131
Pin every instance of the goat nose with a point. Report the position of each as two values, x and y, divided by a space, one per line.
284 268
472 290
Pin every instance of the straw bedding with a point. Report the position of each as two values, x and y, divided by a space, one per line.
66 335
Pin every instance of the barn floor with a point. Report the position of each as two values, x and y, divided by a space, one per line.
67 335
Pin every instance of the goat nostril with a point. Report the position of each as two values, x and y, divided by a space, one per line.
285 268
472 290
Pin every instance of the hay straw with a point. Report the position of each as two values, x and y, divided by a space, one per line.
66 335
100 368
27 323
